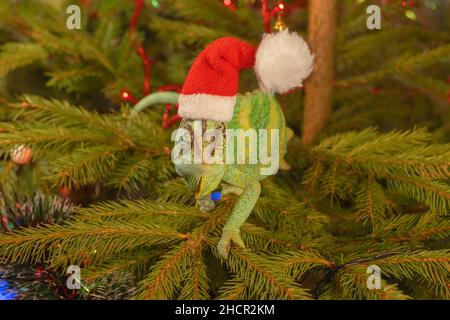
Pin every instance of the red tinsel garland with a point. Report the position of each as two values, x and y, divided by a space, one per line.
138 6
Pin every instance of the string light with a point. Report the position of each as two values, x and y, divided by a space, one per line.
127 96
229 4
410 15
410 4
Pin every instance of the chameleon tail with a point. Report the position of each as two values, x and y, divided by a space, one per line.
154 98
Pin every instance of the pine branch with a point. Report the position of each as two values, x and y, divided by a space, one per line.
402 64
414 228
427 85
167 275
184 33
74 80
95 147
262 239
261 271
352 281
136 262
139 209
297 263
76 241
197 284
312 175
175 190
130 174
213 13
370 202
234 289
383 154
435 194
45 140
84 166
336 184
15 55
429 265
404 159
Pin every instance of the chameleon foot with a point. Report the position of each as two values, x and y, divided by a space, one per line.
225 242
206 204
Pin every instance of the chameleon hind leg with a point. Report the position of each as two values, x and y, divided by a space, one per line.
251 188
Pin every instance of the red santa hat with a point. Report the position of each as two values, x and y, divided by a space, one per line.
282 61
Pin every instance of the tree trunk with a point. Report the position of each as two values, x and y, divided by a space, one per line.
319 86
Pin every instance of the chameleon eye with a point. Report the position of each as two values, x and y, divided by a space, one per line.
194 180
191 173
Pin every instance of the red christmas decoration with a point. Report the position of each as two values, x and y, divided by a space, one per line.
268 14
64 192
138 5
375 91
39 272
229 4
169 120
21 155
127 96
211 94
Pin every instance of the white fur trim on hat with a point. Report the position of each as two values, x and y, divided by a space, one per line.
206 106
283 60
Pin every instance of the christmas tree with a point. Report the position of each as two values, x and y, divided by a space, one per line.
84 183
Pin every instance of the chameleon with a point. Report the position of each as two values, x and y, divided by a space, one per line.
257 110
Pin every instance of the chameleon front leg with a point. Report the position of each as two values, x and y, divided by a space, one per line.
229 188
206 204
251 189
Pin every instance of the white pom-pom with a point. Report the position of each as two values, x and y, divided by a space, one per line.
283 61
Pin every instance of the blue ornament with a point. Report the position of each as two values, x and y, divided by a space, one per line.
216 195
5 292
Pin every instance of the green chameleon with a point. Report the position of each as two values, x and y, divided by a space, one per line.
255 110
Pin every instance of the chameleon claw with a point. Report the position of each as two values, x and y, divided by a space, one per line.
224 245
205 204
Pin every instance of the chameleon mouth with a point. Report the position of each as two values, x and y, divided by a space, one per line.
200 188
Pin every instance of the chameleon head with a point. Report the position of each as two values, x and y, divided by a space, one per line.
201 178
203 166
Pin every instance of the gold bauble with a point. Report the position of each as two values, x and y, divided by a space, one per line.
279 24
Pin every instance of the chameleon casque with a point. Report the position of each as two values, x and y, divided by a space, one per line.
254 110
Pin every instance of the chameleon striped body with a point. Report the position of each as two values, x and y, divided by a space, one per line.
258 110
254 110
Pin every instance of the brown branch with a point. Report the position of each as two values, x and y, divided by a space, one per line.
319 86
